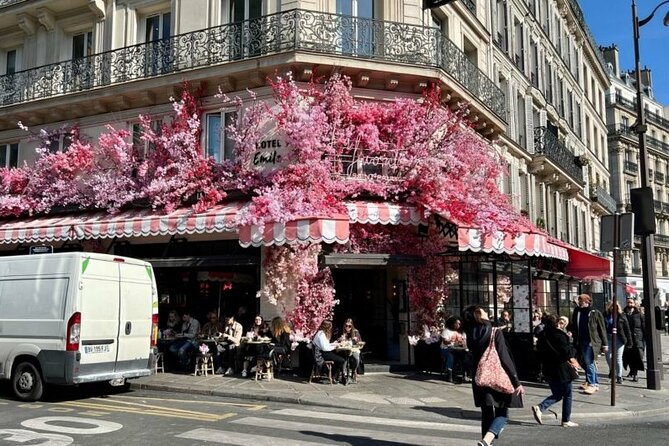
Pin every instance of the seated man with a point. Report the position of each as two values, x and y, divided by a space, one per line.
183 348
232 335
213 327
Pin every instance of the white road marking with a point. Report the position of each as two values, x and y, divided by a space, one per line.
323 431
239 438
416 424
24 436
99 426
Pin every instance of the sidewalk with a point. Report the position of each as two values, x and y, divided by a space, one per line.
410 391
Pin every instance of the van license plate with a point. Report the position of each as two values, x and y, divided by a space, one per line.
116 382
96 348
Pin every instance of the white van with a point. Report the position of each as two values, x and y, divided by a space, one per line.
75 318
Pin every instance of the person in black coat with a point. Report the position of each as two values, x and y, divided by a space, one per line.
633 356
623 339
494 405
556 353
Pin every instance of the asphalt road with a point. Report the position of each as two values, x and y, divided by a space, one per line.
94 416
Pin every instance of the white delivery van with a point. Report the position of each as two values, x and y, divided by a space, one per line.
73 318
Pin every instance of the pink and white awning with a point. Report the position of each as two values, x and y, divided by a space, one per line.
524 243
383 213
301 231
133 223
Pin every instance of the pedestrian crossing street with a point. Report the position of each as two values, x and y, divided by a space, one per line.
301 427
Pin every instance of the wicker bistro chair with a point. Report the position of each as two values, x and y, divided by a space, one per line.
320 366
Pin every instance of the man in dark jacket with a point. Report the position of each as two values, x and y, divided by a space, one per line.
589 332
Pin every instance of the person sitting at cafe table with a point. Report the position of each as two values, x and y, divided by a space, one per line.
213 327
326 349
172 325
280 333
249 352
351 335
230 339
184 347
452 342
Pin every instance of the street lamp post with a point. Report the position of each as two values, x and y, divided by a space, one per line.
653 350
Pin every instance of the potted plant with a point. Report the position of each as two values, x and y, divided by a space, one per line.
541 223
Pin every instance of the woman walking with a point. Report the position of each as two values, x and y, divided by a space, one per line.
557 356
633 356
494 405
623 339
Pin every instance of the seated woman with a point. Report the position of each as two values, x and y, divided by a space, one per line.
452 344
280 332
322 346
250 352
351 334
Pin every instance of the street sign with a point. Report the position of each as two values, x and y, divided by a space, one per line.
607 235
41 249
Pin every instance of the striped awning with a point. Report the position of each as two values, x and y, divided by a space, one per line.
524 243
383 213
301 231
132 223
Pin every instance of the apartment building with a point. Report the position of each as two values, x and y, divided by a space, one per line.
621 106
529 71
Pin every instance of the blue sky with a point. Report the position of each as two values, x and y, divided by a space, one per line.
611 22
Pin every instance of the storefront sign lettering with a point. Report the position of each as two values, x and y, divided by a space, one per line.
269 154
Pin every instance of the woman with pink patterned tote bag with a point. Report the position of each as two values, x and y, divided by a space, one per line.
495 385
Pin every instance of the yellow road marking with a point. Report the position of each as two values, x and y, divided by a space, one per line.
61 409
91 413
159 413
214 403
149 406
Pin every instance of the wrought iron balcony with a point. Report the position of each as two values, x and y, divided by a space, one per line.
630 104
620 130
602 197
471 5
4 3
289 31
548 145
631 166
661 239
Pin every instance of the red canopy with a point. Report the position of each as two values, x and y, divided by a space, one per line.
585 265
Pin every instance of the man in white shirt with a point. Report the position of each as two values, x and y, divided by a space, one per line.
232 335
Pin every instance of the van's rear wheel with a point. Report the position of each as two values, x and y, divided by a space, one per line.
27 382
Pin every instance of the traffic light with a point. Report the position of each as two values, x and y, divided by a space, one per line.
644 210
430 4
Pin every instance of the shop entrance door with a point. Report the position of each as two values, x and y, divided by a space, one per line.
363 296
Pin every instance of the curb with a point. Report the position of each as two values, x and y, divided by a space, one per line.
304 400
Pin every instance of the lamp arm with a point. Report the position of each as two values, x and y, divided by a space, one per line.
650 17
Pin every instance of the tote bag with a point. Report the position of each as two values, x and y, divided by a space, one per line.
490 372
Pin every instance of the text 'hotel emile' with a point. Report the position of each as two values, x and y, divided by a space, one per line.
533 77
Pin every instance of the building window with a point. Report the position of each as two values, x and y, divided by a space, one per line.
60 142
140 147
9 155
218 143
10 62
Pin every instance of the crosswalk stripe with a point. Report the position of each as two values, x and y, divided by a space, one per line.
343 433
378 421
239 438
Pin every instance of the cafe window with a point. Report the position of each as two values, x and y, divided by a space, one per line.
218 142
9 155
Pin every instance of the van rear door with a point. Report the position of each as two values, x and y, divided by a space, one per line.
99 307
137 292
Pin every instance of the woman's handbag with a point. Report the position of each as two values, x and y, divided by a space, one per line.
490 372
572 366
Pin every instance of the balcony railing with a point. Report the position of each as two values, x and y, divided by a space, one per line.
576 8
602 197
630 166
4 3
471 5
652 143
547 144
661 239
294 30
619 129
630 104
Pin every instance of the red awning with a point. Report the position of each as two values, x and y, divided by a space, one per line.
585 265
132 223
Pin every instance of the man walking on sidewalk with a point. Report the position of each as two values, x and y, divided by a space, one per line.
589 334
